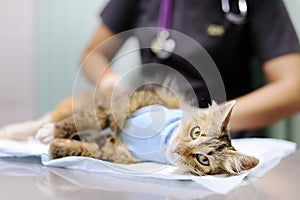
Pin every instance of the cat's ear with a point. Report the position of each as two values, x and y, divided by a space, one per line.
225 112
239 162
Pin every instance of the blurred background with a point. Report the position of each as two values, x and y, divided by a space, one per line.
40 46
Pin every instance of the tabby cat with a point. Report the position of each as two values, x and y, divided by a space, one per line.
195 140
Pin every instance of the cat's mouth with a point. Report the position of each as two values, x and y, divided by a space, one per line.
182 150
177 153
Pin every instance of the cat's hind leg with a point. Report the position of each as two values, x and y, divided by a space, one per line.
23 130
104 147
46 134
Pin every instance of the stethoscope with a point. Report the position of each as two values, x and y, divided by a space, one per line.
163 45
234 18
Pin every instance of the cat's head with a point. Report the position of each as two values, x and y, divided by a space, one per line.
201 144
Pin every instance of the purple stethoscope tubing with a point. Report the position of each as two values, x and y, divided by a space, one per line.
162 45
165 12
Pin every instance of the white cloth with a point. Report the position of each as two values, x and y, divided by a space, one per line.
269 152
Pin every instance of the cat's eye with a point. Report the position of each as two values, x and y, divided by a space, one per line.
195 132
202 159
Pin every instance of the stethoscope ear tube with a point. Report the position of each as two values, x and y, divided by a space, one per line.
238 19
163 45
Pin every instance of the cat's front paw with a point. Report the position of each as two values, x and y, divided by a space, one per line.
46 133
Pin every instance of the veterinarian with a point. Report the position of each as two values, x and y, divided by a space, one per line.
233 32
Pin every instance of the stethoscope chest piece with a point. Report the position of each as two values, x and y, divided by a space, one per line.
162 45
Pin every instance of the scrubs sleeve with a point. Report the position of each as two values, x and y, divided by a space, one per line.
272 32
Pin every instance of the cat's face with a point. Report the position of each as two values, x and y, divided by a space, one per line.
201 144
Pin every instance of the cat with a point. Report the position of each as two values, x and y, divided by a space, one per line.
198 143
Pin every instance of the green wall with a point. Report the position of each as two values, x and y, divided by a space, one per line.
62 29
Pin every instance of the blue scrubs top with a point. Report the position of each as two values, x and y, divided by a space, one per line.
147 131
